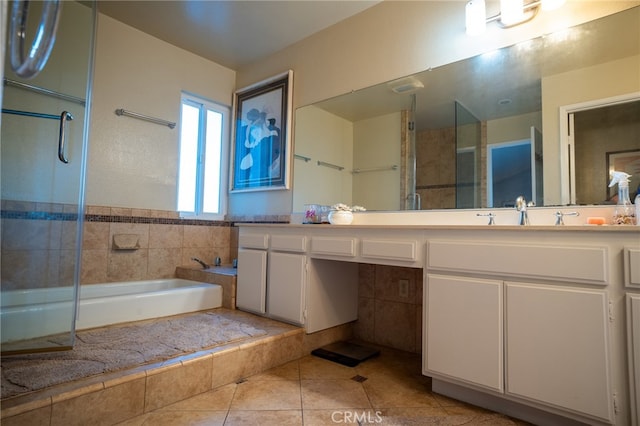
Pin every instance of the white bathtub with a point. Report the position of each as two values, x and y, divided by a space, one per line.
26 314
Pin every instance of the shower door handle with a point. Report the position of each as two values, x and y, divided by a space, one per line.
64 117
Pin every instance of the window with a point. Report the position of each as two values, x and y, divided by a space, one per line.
204 139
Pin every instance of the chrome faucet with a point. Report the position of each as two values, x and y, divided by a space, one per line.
490 215
414 202
560 215
521 206
204 265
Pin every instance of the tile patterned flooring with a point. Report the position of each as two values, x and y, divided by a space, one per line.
313 391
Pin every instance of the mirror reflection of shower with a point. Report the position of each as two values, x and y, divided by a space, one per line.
413 200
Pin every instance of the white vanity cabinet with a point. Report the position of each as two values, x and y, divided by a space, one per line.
272 275
557 348
251 281
465 330
633 339
287 277
525 322
280 277
631 261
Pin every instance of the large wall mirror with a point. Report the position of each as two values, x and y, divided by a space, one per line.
478 132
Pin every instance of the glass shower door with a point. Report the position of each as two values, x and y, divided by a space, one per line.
43 148
468 149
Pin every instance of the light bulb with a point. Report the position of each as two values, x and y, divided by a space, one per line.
476 17
551 4
511 12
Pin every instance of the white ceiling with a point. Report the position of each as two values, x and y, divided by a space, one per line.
232 33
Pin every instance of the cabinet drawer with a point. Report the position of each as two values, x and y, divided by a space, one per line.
334 246
259 241
557 263
632 266
390 249
296 243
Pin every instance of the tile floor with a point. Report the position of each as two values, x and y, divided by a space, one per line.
314 391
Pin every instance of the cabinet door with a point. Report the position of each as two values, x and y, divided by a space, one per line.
251 280
285 292
464 330
557 347
633 322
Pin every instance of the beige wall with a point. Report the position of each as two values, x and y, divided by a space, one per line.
133 163
513 128
587 84
377 145
328 138
388 41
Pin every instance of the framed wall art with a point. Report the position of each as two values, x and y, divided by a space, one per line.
261 135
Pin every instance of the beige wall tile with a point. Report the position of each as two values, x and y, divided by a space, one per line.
21 234
127 265
98 210
395 325
176 384
163 262
106 407
66 270
366 280
120 211
95 235
29 269
228 367
37 417
69 234
94 266
165 236
198 236
364 328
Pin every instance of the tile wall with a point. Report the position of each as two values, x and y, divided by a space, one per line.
435 178
385 316
38 244
165 241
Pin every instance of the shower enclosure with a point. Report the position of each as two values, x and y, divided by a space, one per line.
43 140
468 160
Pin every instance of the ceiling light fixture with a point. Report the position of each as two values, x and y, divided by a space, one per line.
512 13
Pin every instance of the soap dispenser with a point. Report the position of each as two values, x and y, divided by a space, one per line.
624 213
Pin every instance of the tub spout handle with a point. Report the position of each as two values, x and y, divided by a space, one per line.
204 265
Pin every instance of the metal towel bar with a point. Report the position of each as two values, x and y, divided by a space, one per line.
375 169
170 124
332 166
302 157
43 91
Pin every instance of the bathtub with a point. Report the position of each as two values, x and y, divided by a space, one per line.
27 314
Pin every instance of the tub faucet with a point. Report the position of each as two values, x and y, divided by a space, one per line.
521 206
204 265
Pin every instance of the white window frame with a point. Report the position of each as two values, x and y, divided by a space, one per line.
207 105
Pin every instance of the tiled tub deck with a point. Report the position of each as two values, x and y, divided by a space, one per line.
112 398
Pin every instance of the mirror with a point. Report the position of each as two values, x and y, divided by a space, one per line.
398 144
